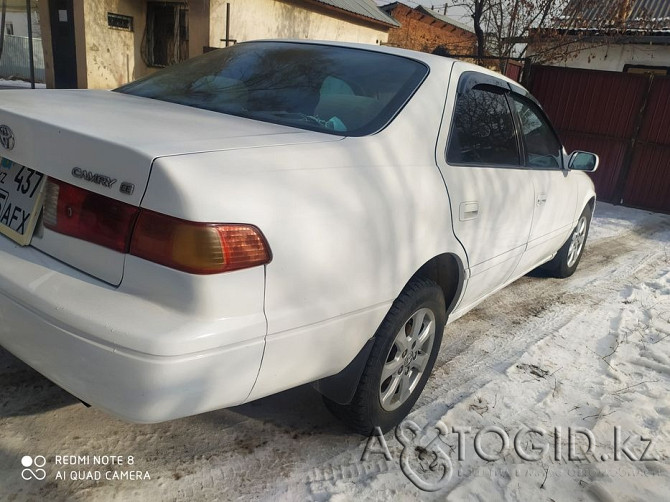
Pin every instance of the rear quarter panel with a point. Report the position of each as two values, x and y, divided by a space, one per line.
349 222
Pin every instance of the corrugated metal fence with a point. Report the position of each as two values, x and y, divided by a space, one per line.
622 117
15 59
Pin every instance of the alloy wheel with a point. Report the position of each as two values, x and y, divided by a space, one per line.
407 359
577 242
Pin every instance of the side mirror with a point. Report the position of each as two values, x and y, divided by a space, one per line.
583 161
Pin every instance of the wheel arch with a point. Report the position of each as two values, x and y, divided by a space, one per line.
588 200
592 203
587 194
448 272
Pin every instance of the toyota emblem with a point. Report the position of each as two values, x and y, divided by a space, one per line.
6 137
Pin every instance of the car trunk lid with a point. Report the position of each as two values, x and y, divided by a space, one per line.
106 142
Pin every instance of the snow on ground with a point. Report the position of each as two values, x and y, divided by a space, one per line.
18 84
538 367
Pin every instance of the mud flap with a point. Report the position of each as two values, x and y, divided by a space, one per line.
341 387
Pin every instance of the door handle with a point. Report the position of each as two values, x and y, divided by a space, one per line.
468 210
541 199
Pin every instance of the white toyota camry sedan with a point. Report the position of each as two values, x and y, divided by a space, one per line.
269 215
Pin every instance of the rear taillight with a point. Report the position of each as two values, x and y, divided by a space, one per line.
88 216
197 248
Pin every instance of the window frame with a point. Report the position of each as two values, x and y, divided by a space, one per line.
466 82
148 44
531 102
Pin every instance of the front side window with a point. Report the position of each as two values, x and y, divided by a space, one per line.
543 149
482 130
324 88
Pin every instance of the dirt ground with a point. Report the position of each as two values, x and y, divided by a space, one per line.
535 354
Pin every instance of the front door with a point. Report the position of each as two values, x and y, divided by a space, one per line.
555 194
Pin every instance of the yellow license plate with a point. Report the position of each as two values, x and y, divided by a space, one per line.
21 193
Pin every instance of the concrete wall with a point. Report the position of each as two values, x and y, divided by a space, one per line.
615 57
258 19
109 57
423 33
113 56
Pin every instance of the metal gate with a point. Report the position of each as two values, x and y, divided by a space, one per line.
624 118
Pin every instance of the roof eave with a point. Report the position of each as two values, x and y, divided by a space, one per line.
592 35
349 13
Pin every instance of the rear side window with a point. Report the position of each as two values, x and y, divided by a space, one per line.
543 149
344 91
482 129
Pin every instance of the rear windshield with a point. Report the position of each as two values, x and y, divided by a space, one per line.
338 90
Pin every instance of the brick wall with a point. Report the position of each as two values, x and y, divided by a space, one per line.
421 32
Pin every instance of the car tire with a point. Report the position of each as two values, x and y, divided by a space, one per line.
566 260
405 348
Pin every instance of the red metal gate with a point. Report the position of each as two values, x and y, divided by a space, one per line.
624 118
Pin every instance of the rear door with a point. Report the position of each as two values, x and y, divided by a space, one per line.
490 192
555 194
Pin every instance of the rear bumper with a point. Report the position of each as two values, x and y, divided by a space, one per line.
93 355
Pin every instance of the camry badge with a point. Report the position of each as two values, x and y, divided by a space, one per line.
99 179
6 137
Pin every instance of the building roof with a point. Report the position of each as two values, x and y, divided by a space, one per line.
388 8
623 15
444 19
363 8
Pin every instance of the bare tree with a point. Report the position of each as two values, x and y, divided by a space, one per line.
501 26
